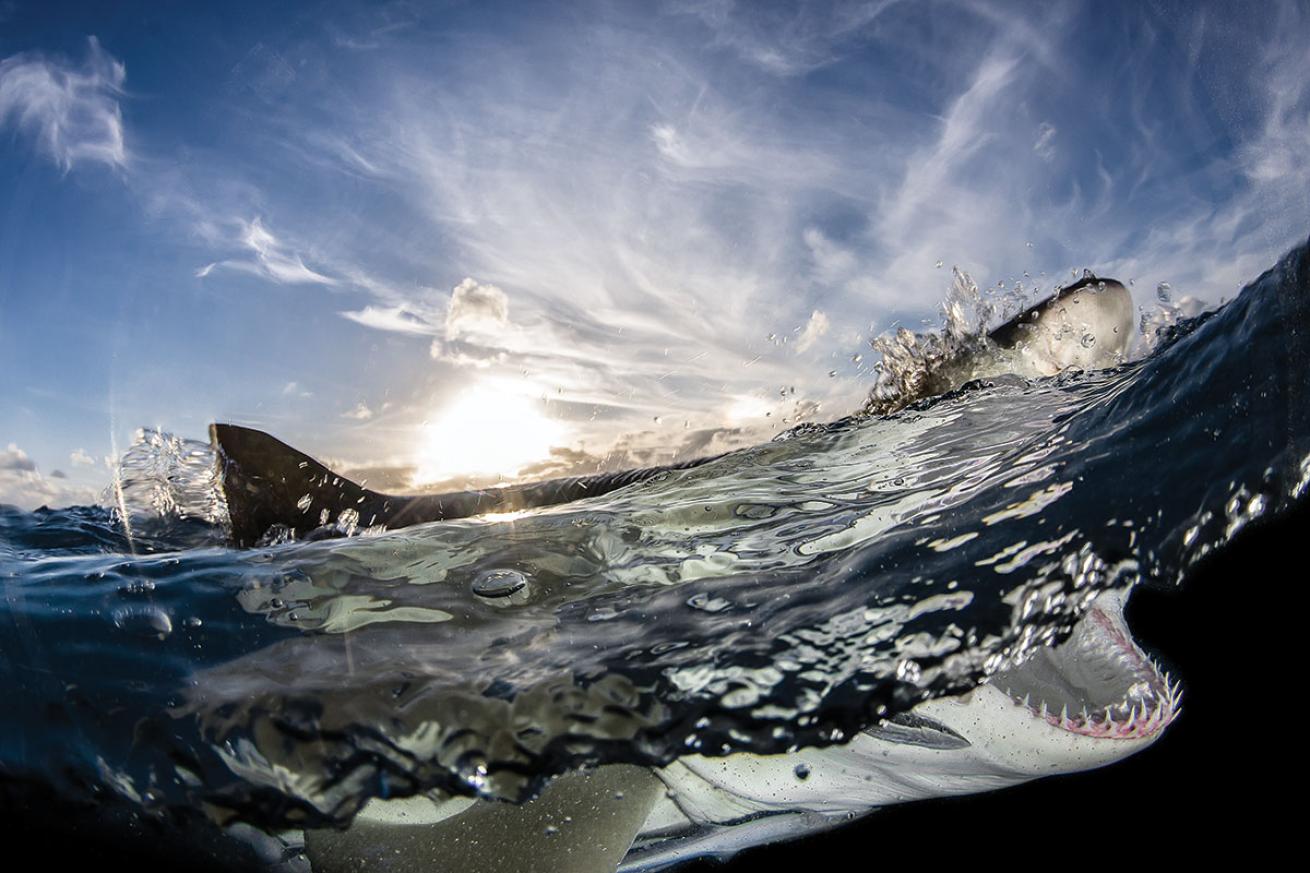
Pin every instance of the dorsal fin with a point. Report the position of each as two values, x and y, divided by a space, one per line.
267 483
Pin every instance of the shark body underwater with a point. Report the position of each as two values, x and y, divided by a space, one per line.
1090 700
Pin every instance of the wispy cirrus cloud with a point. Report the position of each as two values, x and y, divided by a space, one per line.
70 111
269 257
790 39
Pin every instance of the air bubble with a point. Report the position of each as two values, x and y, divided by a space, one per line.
499 583
149 621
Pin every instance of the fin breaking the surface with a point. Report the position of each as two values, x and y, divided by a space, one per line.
268 484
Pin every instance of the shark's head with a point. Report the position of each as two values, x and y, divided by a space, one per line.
1085 326
1091 700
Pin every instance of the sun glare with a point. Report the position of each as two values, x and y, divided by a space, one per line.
492 428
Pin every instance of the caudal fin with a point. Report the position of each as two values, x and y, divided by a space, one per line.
267 483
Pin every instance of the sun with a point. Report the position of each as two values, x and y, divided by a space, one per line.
491 428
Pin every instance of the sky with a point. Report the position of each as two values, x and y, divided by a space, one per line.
438 243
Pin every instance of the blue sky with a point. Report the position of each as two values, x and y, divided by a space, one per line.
366 227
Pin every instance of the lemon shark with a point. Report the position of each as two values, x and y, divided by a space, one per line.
1092 699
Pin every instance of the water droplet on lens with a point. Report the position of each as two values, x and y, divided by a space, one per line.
499 583
802 772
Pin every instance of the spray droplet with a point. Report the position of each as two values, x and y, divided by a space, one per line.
832 374
802 771
1088 341
938 265
1162 292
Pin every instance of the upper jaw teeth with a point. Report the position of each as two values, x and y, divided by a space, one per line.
1152 708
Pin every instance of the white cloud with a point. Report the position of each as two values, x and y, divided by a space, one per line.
397 319
816 327
279 263
476 310
71 112
15 460
80 458
787 40
269 258
22 485
1044 146
832 263
361 412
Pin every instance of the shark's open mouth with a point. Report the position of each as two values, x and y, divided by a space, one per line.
1098 682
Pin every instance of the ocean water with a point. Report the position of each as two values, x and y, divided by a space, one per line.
780 597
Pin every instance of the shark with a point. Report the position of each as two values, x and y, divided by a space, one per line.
1093 699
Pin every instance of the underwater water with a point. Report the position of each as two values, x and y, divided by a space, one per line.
778 598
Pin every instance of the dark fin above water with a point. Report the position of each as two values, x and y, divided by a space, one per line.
268 485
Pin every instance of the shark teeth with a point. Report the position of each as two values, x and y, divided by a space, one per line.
1123 720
